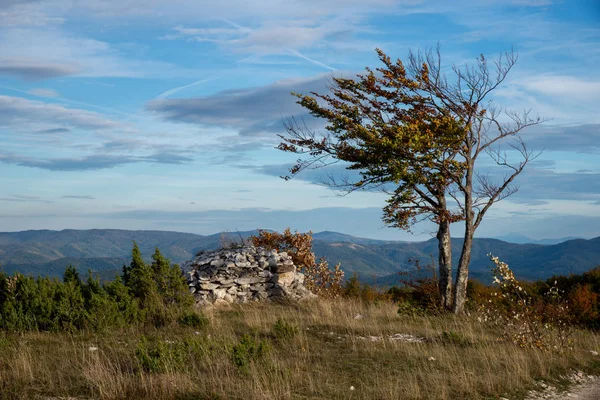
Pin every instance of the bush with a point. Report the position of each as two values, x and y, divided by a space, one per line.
284 330
525 319
422 287
455 339
193 320
155 294
319 278
247 351
160 356
407 307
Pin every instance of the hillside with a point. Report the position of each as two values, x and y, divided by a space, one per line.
48 252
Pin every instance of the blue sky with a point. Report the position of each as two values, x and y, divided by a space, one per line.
164 115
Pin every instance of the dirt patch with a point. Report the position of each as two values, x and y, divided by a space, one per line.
585 387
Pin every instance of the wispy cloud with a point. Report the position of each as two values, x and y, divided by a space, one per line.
35 53
77 197
251 111
278 38
19 198
90 163
19 113
34 70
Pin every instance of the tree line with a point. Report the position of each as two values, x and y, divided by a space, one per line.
155 294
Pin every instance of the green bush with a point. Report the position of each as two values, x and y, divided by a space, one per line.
455 339
247 351
284 330
161 356
410 308
156 294
193 320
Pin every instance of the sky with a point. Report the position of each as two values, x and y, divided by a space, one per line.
148 114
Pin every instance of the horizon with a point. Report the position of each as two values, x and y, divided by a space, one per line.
138 116
506 238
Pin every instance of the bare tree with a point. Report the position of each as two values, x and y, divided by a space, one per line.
484 132
409 128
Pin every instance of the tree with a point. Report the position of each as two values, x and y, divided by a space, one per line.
170 281
138 276
409 132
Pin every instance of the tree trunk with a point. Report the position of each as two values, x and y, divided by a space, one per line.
445 264
462 274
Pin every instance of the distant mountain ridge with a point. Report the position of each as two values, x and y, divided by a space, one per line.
521 239
46 252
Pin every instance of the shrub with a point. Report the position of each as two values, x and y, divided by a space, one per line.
247 351
284 330
160 356
455 339
409 308
193 320
525 320
585 304
355 290
319 278
421 287
156 294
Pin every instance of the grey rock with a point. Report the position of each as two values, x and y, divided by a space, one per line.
245 274
283 268
249 280
208 286
217 262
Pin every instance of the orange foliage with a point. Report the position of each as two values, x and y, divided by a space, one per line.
584 302
319 278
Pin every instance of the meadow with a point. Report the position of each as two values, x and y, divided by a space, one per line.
324 349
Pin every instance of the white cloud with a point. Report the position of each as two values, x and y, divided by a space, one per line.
569 88
41 53
22 114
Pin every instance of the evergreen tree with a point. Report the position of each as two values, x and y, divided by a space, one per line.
138 276
71 275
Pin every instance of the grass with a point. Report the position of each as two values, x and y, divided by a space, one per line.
316 350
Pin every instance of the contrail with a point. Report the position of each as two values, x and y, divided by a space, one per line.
292 51
237 26
177 89
312 60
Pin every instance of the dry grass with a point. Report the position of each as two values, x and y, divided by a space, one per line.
322 360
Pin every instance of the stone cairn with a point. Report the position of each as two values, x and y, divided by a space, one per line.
244 274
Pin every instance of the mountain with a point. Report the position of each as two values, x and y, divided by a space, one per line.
35 247
336 237
105 251
520 239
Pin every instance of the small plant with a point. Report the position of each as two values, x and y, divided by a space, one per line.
193 320
455 338
526 321
227 241
354 289
284 330
160 356
407 307
422 287
247 351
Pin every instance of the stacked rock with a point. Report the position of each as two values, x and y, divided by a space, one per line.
244 274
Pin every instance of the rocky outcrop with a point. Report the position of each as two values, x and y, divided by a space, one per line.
244 274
